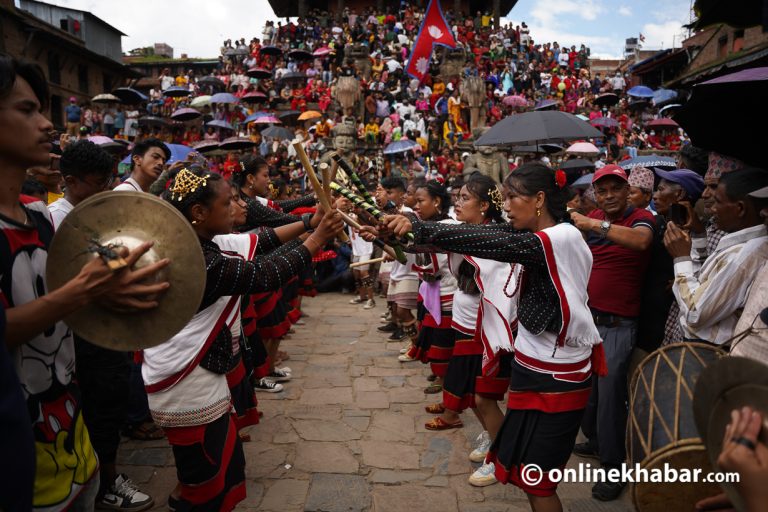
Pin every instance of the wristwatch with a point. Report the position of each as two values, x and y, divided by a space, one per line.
604 227
306 219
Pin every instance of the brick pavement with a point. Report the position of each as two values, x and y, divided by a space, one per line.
347 434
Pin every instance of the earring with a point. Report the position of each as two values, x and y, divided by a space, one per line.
482 213
194 222
538 212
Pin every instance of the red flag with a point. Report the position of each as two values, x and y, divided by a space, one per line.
434 30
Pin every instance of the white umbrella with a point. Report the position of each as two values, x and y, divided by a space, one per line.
201 101
583 148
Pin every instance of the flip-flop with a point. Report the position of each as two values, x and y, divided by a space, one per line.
435 408
433 388
440 424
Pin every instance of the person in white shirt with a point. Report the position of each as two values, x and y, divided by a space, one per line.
147 163
711 301
87 170
166 79
562 59
617 83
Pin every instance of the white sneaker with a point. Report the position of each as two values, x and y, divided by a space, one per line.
124 495
279 375
356 300
405 348
285 369
405 358
482 444
484 475
369 304
268 385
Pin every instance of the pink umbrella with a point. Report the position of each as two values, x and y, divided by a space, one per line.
267 120
100 139
322 52
515 101
582 148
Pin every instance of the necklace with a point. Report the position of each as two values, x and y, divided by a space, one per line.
512 267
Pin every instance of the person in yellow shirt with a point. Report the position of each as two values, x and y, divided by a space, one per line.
454 106
372 131
452 133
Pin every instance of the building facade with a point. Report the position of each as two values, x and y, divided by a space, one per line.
79 53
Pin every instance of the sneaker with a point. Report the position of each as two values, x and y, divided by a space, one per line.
397 335
356 300
369 304
485 475
268 385
607 491
124 495
285 369
390 327
586 450
406 347
483 444
279 375
404 357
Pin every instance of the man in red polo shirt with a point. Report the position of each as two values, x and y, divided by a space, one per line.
620 237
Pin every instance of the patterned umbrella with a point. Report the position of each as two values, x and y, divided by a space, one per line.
515 101
649 161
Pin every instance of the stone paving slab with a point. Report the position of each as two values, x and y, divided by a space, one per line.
347 434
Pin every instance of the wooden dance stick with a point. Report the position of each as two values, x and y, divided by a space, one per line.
369 262
391 252
324 200
325 172
358 201
356 181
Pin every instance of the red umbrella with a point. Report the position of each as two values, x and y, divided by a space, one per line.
663 122
322 52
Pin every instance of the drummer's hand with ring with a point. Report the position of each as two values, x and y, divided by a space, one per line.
123 289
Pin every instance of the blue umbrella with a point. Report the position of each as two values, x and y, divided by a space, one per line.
400 146
223 97
664 96
220 123
129 96
179 152
584 181
649 161
640 91
176 91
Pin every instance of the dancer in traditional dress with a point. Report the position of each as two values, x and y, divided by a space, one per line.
557 348
186 376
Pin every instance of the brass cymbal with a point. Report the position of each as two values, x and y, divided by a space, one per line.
129 219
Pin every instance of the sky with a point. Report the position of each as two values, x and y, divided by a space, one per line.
200 26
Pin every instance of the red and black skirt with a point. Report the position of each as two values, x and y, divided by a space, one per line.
464 375
243 397
210 465
307 282
272 312
435 342
291 298
540 427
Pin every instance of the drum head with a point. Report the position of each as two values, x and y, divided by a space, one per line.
731 383
128 219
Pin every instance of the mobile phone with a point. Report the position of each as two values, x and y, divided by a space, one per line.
678 214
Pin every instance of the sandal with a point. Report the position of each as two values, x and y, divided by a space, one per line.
244 437
147 431
433 388
435 408
440 424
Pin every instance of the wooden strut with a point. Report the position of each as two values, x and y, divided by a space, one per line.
324 200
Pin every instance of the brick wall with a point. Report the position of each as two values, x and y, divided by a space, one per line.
713 51
70 64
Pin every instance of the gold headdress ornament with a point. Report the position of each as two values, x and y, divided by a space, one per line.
185 183
496 198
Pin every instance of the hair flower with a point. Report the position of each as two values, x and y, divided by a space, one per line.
560 178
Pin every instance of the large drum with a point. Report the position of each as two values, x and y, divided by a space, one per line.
661 428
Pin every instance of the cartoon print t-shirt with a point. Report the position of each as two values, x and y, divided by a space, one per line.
65 460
